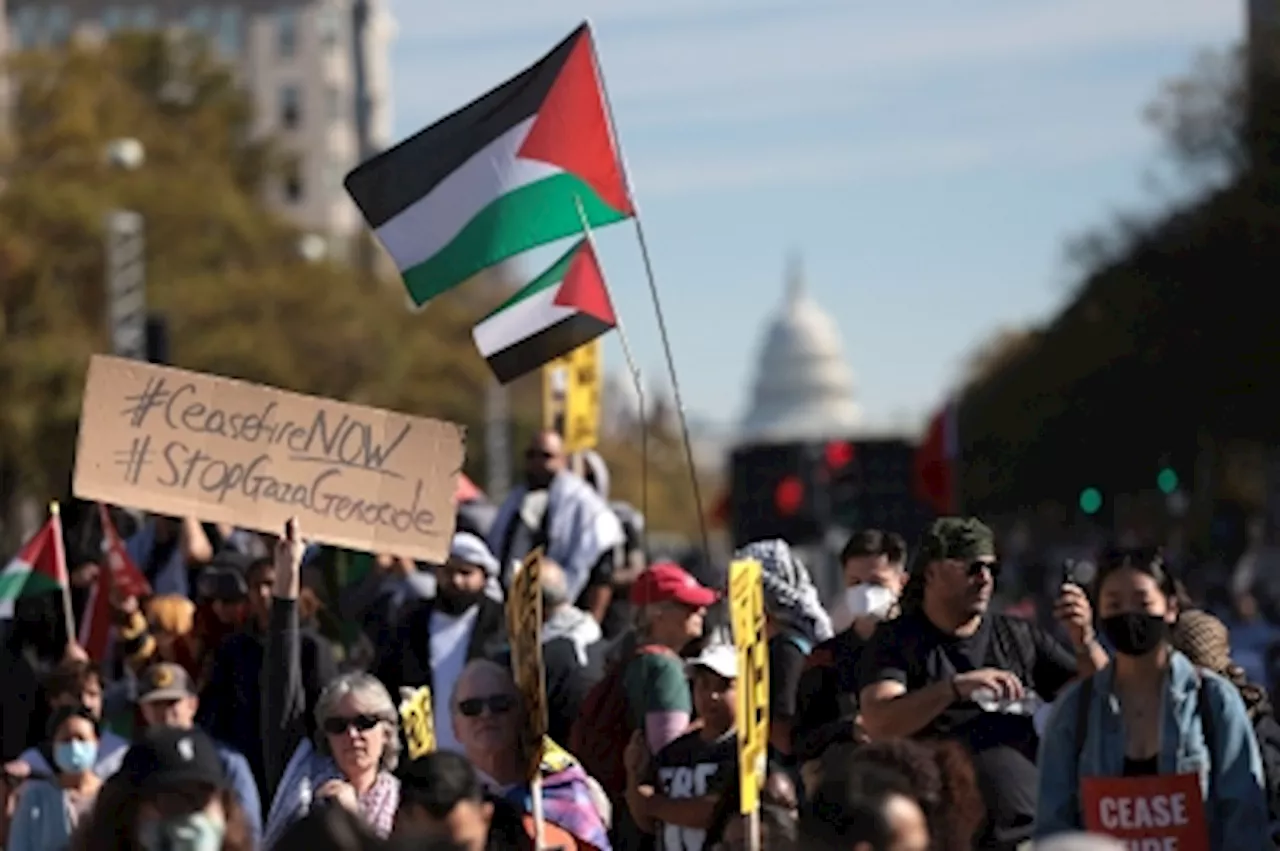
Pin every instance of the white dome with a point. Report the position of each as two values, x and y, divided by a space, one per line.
803 390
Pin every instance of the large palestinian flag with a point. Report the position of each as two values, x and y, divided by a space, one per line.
499 176
564 307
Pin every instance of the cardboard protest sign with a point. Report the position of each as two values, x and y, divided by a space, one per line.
417 717
1160 813
746 612
524 630
182 443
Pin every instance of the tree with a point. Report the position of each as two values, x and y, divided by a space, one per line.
222 268
1000 350
1202 117
1203 120
1171 315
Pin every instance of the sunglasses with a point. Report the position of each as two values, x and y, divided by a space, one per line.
538 455
974 568
336 726
499 704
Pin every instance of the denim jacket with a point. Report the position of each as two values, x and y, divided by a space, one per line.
1235 806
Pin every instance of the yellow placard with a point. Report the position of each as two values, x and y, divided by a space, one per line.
419 722
524 630
571 390
746 610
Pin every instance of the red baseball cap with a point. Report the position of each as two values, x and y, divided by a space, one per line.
667 582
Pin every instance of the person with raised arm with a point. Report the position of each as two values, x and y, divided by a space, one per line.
350 761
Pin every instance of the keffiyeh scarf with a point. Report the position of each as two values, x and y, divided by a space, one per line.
580 529
306 772
567 801
790 597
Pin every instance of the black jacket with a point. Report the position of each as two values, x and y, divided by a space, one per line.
231 703
406 659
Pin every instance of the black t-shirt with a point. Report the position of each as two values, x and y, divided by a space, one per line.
826 701
912 651
787 660
692 767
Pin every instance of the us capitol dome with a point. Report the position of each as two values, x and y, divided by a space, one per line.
804 389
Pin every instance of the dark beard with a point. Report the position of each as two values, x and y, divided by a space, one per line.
455 604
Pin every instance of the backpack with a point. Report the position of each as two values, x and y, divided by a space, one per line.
600 733
1267 732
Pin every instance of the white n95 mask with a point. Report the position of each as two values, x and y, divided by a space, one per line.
865 600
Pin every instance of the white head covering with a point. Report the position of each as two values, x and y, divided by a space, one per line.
471 549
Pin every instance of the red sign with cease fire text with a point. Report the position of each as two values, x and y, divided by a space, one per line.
1162 813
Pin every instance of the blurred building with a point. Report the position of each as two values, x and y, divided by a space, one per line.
803 388
318 72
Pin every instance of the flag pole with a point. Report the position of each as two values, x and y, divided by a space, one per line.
60 563
639 386
657 302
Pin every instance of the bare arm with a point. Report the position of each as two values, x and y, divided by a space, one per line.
648 805
1092 658
888 709
196 548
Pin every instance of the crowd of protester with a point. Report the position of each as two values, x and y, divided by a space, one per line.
909 715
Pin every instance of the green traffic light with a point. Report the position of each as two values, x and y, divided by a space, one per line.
1090 500
1167 480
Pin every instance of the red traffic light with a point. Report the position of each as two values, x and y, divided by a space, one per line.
838 454
788 496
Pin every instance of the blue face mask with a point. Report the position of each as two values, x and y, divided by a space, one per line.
196 831
75 757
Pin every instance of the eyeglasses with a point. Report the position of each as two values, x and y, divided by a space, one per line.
499 704
337 725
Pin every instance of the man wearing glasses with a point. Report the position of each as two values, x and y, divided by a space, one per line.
950 669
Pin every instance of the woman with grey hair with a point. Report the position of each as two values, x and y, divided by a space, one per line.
357 743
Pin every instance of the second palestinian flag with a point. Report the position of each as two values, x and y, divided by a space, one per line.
564 307
497 177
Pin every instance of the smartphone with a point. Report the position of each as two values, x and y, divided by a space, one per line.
1070 573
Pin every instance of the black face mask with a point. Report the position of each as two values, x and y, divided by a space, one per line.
456 603
1135 633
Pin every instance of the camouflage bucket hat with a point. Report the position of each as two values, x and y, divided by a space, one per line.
962 538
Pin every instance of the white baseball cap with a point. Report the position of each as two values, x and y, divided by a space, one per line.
720 659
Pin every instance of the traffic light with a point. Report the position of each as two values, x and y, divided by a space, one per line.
1167 480
1090 501
788 496
772 494
838 454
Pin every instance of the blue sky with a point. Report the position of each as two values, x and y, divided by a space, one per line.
927 159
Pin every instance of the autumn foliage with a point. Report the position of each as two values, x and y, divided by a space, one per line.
221 267
1167 348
